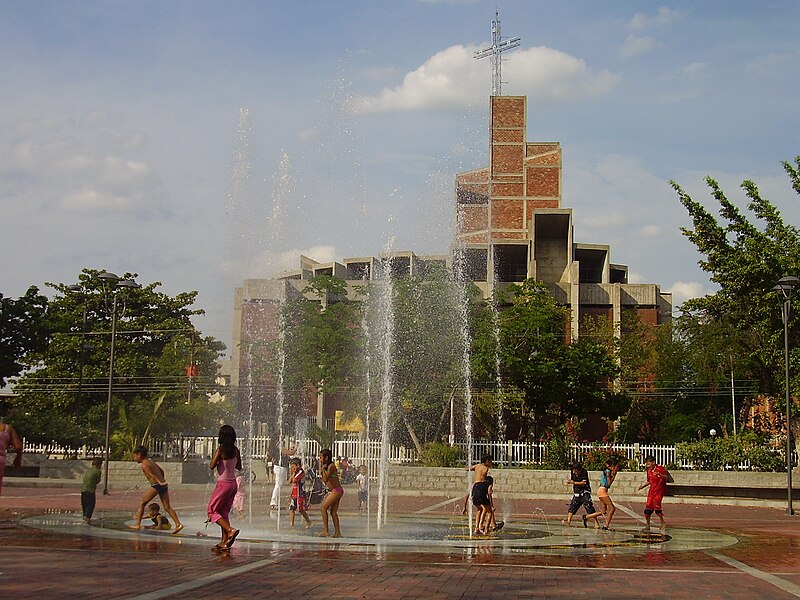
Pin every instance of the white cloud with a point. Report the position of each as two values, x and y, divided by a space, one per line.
91 201
636 277
664 16
82 164
453 79
685 290
635 44
695 68
308 134
650 231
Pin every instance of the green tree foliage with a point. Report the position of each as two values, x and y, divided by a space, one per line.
559 380
321 342
62 396
740 325
23 330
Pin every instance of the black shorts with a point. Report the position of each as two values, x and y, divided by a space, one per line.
480 494
583 499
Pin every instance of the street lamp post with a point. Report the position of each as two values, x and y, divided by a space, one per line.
118 283
786 285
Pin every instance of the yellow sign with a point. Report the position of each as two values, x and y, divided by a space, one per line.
339 424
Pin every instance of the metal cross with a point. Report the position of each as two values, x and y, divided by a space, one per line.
494 51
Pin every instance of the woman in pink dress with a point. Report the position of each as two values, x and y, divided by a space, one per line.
226 461
8 437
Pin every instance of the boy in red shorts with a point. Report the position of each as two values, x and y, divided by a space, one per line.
298 499
657 477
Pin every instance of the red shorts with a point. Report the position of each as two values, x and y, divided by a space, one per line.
654 502
298 504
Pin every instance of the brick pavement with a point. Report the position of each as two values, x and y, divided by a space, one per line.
45 564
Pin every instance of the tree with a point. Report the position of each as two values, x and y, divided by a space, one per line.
746 259
23 330
559 380
320 341
63 395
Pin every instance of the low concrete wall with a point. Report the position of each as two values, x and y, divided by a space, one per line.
435 481
525 483
124 474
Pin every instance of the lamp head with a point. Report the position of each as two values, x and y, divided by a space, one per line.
128 283
787 285
108 276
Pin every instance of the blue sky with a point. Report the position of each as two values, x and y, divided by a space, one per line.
124 147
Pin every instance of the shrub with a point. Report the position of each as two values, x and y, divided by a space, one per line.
596 458
436 454
747 450
558 448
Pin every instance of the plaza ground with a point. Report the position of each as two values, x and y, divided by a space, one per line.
48 553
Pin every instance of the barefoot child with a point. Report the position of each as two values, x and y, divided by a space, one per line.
491 524
607 477
483 503
363 488
330 477
657 477
227 461
481 472
581 496
158 487
160 522
298 498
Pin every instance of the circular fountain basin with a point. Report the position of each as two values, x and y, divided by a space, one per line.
403 533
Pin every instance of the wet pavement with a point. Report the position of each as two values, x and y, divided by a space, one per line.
423 551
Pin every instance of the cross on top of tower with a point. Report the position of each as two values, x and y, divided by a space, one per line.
494 51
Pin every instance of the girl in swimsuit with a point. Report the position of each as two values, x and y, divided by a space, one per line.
330 476
606 479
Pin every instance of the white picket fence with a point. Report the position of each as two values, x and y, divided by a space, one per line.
368 453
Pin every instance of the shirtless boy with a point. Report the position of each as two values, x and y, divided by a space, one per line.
481 471
158 487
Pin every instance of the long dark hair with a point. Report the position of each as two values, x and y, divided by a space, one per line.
227 441
327 456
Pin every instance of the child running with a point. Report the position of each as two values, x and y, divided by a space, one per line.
226 461
607 476
581 496
158 487
330 477
657 477
298 497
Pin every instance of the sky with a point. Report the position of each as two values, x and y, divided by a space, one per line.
198 143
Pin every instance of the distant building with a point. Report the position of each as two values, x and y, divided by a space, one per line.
510 227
